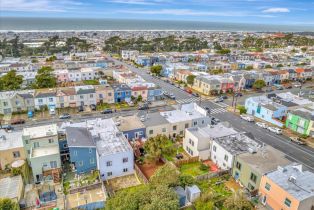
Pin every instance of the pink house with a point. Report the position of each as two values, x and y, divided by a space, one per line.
226 84
62 75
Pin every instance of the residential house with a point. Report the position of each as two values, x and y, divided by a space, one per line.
129 54
288 187
11 148
104 94
266 109
85 95
66 97
62 75
198 140
301 120
248 168
131 127
42 149
16 101
139 91
225 149
82 149
155 124
122 93
207 85
45 98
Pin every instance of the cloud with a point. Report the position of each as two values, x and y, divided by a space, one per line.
276 10
188 12
136 2
38 5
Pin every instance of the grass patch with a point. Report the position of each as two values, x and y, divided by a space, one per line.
193 169
91 82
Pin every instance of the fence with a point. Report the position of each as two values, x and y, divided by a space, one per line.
178 163
88 187
140 174
211 175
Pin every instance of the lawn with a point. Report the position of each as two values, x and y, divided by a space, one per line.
192 169
172 150
91 82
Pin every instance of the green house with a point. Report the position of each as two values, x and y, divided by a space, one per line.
301 121
248 168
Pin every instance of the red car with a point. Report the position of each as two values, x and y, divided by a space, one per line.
17 121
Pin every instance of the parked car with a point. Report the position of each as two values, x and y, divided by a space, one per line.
65 116
214 121
279 88
246 117
297 140
17 121
297 85
143 107
238 95
262 125
196 94
275 130
224 97
107 111
217 100
172 96
288 87
93 107
6 127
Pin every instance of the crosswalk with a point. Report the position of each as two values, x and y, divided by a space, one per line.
187 100
217 111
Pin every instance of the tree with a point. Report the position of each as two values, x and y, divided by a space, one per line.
155 146
268 66
8 204
248 68
139 98
223 51
259 84
45 78
237 202
11 81
166 175
186 180
190 79
242 109
279 65
156 69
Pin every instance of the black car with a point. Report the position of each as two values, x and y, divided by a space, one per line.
6 127
289 87
80 109
214 121
93 107
196 94
65 116
238 95
107 111
224 97
143 107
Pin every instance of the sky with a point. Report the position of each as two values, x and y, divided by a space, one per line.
288 12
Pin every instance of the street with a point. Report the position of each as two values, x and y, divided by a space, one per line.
294 152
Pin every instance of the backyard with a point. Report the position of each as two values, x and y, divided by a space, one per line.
194 169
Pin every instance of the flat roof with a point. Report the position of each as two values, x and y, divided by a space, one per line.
154 119
10 140
45 151
128 123
41 131
294 181
9 187
112 143
212 131
265 159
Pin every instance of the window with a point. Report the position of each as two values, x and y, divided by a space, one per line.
195 123
81 97
53 164
125 170
191 142
65 145
40 100
71 97
26 141
238 165
250 186
109 94
164 130
226 158
151 131
287 202
253 177
91 96
28 152
125 160
36 144
186 125
92 161
267 186
174 128
5 103
16 154
50 141
214 148
109 163
109 173
90 150
50 99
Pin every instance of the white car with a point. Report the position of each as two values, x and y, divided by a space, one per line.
247 117
262 125
275 130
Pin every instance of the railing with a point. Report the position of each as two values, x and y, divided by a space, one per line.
211 175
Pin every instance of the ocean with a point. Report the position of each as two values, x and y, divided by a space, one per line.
77 24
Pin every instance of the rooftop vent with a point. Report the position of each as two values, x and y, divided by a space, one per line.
2 138
292 179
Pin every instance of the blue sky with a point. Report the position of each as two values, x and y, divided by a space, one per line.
294 12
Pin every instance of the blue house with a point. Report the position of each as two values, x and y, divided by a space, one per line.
122 93
154 93
101 64
143 60
82 149
266 109
131 127
250 78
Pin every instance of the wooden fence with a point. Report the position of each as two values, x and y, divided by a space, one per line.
178 163
211 175
140 174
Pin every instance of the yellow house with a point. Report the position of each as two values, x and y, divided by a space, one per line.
11 148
